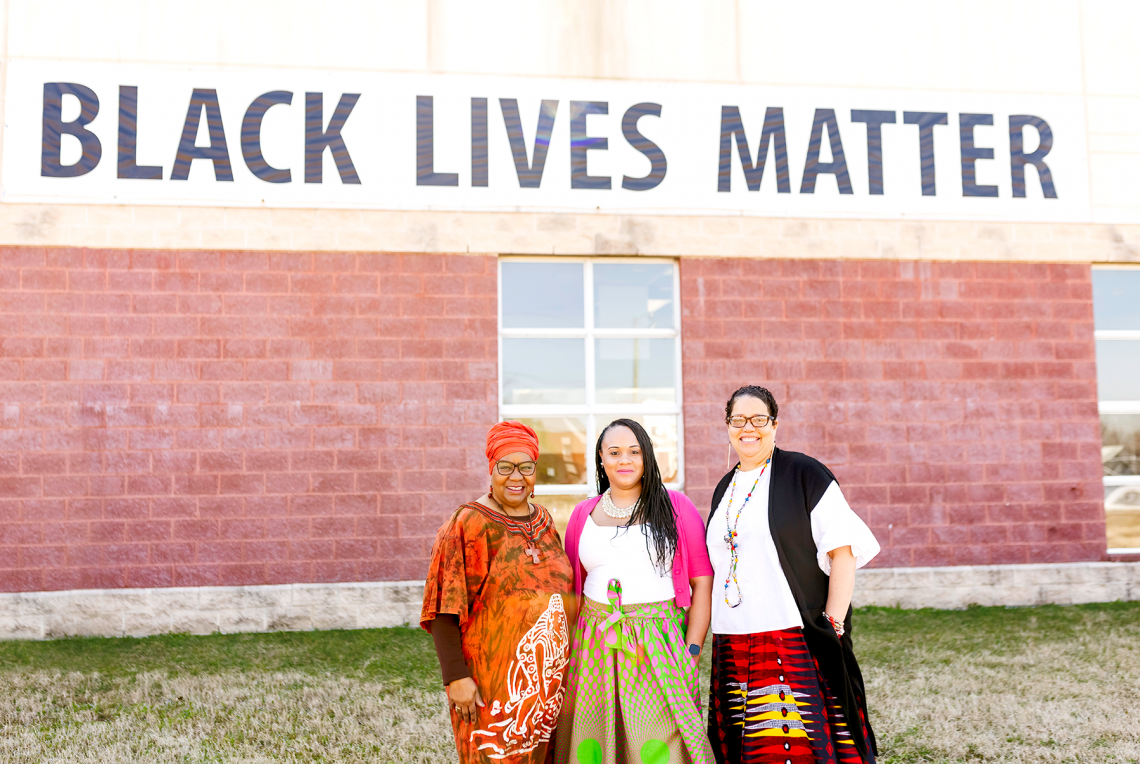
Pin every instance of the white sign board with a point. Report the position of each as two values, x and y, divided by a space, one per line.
107 133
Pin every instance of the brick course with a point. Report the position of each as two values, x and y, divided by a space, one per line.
185 417
956 402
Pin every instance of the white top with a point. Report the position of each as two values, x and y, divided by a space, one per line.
767 602
622 553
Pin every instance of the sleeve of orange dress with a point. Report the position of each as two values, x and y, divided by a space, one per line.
459 566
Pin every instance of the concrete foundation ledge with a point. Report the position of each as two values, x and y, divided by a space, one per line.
303 607
1009 585
209 609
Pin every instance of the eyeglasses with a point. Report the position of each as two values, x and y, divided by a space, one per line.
759 422
526 469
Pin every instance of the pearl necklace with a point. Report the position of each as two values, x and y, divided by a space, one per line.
612 510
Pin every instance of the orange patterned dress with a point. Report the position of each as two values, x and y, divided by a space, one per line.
509 582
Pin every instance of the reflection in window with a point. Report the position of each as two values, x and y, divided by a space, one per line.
1116 310
1116 305
635 370
633 296
1122 512
548 370
1118 369
584 342
561 449
541 295
1120 438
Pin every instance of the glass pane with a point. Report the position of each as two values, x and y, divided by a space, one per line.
1116 298
1122 516
561 449
634 370
633 296
1120 443
662 431
544 370
1118 370
542 295
560 507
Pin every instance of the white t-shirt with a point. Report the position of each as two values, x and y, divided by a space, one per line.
622 553
767 603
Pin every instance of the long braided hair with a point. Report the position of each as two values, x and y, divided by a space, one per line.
654 509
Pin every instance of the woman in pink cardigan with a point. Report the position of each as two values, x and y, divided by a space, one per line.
643 578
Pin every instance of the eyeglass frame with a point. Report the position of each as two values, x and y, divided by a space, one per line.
750 420
516 466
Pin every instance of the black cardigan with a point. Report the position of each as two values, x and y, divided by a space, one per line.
797 484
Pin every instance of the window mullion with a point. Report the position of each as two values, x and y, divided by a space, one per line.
499 316
678 382
591 420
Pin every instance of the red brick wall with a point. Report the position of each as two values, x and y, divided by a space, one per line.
956 402
182 418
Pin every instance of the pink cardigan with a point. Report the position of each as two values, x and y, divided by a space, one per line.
690 561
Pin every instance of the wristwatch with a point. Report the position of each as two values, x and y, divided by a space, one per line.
694 650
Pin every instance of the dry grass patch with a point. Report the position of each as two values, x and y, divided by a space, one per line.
1027 685
1044 684
232 717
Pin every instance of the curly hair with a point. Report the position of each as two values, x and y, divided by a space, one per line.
752 391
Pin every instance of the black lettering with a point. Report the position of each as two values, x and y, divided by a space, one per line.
128 138
1018 158
926 121
580 143
479 142
317 140
971 154
875 121
658 165
731 127
54 128
529 173
838 164
217 151
425 147
251 137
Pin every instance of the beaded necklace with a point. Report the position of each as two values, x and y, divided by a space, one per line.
731 534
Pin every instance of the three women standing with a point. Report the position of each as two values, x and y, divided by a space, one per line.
638 558
784 545
497 603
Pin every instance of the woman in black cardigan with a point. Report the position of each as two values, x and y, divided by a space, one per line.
784 545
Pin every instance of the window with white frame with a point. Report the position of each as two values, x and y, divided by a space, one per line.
583 342
1116 309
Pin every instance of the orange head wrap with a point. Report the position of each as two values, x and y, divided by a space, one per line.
509 438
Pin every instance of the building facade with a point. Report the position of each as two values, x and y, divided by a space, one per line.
258 307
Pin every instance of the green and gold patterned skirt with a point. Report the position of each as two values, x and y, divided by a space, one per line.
632 688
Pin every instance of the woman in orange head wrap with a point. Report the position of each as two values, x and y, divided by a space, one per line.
496 599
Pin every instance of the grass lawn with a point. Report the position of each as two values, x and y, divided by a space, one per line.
1048 684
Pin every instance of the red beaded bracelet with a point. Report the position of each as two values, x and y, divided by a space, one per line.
837 625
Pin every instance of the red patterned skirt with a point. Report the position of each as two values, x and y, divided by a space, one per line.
769 703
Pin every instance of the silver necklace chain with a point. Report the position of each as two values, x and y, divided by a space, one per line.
613 511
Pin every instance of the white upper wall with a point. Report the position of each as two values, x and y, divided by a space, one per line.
1084 50
995 46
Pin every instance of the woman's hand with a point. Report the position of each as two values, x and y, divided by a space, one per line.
463 694
700 612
